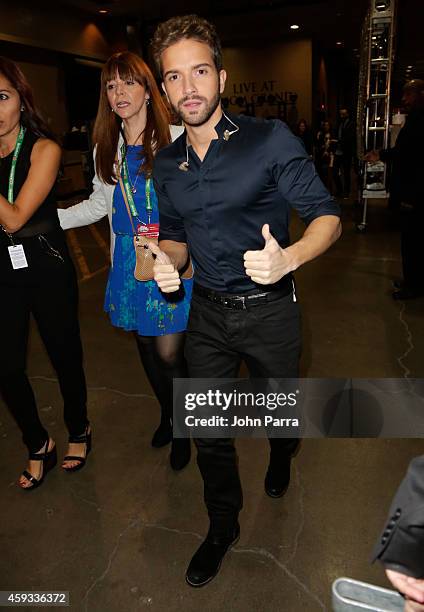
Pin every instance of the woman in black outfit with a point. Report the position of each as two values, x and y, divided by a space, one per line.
36 276
304 133
325 146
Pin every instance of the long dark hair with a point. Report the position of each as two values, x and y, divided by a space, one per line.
30 115
108 125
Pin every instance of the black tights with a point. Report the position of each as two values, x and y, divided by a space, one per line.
163 360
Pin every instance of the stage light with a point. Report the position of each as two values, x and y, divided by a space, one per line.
294 26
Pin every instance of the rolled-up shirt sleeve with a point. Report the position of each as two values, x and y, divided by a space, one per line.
171 225
296 177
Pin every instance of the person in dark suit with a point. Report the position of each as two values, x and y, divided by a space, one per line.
407 187
400 547
344 154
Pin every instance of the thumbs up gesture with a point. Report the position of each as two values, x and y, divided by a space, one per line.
270 264
164 272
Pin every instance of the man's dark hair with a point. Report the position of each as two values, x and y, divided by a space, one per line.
185 27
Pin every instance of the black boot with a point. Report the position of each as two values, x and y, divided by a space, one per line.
180 453
207 560
277 478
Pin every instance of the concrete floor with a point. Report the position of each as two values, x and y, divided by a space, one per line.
119 534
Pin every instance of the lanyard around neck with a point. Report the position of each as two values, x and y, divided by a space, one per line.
128 191
16 152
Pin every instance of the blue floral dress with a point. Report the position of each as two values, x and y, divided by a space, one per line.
140 305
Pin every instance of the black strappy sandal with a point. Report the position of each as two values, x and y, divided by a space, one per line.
49 459
84 438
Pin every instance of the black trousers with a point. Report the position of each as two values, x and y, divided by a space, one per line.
341 171
48 290
412 223
267 338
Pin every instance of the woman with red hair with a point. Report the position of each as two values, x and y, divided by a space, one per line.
132 124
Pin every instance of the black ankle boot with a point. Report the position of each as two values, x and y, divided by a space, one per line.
180 453
277 478
207 560
163 434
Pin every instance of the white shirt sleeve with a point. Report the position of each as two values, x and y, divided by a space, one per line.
88 211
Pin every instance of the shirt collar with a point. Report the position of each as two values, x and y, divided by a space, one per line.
222 125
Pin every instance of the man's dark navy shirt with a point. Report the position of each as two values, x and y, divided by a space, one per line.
218 207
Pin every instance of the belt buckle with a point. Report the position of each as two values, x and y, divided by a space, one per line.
258 298
242 299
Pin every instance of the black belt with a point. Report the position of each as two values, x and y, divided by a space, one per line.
242 301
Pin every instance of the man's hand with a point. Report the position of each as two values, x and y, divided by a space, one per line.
372 156
412 588
270 264
164 272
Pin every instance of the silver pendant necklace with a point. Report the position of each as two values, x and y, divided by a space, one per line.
133 185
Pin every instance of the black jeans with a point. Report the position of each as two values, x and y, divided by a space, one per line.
267 338
48 290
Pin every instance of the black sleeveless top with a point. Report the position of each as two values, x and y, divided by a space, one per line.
45 217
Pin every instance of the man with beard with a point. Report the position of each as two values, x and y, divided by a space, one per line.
407 187
224 189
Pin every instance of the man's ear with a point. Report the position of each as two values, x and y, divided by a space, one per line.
222 78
